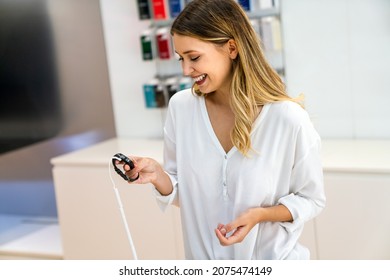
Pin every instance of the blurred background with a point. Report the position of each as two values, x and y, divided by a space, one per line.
55 95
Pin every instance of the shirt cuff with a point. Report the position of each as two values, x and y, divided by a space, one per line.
292 204
163 201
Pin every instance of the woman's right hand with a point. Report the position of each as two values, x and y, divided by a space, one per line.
149 171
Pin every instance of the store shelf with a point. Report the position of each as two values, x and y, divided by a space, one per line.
270 12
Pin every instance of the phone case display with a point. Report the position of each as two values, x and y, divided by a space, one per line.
249 5
157 92
143 9
154 94
159 9
164 43
147 44
172 86
175 7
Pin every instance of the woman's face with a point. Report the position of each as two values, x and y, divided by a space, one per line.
209 65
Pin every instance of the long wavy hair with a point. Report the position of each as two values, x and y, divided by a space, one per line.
254 81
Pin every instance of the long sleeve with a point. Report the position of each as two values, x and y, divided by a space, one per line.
170 164
307 197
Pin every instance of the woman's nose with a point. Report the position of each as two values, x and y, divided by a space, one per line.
187 68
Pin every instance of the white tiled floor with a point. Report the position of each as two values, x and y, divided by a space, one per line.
24 237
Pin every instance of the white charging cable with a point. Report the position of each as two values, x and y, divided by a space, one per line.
123 215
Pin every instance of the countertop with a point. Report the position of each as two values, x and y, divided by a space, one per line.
371 156
27 237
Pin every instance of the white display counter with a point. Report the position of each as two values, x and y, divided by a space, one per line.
355 223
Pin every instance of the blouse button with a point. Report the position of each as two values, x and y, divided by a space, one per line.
225 192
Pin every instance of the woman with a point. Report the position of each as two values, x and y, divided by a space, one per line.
241 157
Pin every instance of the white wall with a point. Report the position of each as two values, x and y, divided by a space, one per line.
336 53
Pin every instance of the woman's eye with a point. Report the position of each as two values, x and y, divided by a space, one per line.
191 58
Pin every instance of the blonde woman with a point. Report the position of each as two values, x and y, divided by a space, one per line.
241 157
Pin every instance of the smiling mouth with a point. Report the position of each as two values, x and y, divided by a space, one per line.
200 79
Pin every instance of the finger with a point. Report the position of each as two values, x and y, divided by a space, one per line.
126 167
133 179
133 176
220 226
233 225
120 163
139 163
133 172
136 160
237 237
222 238
221 229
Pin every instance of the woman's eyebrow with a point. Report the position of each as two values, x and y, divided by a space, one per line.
186 52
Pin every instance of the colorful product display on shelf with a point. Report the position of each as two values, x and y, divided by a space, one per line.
159 39
147 43
175 7
164 43
158 92
169 9
154 94
159 9
172 86
143 9
249 5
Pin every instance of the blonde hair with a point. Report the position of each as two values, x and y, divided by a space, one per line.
254 81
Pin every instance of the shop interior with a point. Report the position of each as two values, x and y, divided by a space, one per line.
79 83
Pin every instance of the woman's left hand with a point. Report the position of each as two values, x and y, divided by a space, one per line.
240 227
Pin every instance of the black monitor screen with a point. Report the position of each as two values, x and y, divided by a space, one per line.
29 95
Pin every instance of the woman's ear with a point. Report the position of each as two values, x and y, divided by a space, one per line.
233 52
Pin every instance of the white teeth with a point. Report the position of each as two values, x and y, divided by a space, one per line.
201 77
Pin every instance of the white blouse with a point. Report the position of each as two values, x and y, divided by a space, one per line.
212 186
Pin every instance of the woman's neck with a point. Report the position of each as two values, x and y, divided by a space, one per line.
219 98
